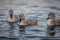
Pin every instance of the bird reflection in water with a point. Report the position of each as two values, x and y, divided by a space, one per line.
22 28
51 30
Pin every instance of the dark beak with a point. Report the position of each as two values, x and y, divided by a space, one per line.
47 18
20 20
11 15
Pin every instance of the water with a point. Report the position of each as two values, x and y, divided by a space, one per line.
36 32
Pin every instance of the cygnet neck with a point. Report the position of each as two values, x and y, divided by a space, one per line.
11 13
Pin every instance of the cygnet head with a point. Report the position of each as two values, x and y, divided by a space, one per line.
21 17
51 16
11 13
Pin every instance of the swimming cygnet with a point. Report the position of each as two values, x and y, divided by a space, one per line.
51 22
11 19
26 22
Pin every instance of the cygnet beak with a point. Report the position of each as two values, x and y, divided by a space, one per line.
20 20
47 18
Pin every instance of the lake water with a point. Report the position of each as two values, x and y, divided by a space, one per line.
36 32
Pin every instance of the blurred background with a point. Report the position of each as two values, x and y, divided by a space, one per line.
37 9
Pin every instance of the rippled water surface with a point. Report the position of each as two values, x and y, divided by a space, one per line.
36 32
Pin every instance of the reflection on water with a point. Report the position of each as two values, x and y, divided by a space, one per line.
22 28
51 31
